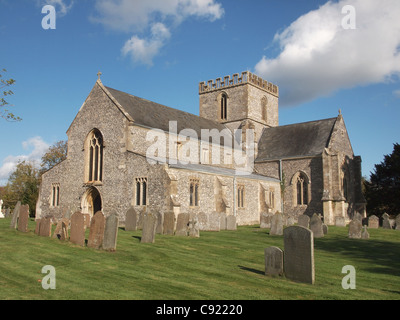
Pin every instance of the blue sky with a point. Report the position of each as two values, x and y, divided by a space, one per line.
161 49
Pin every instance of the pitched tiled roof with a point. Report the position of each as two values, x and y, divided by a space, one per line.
295 140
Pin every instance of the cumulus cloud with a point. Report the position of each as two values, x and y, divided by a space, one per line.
153 18
36 148
318 56
62 7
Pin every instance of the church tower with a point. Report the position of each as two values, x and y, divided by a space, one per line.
243 101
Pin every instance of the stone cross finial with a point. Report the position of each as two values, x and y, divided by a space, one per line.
340 112
99 75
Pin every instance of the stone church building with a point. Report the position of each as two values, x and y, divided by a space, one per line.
125 151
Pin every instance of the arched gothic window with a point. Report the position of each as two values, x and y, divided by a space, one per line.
301 184
95 146
224 106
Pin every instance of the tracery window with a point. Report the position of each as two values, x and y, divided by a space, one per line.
95 156
141 191
194 192
302 189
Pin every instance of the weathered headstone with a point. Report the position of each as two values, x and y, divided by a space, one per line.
149 227
77 229
386 221
15 215
169 223
58 231
96 234
340 221
203 221
398 222
355 227
265 220
37 228
316 226
276 225
365 234
131 220
23 218
194 231
45 227
325 228
273 261
182 224
214 222
111 232
222 224
373 222
160 222
64 230
231 223
299 254
304 221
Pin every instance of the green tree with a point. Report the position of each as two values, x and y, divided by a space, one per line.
4 92
23 185
382 191
54 155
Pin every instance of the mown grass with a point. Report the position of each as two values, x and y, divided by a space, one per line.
227 265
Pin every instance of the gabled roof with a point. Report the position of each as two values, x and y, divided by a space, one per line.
154 115
295 140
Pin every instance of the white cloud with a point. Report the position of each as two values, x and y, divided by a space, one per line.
37 148
318 56
61 6
153 18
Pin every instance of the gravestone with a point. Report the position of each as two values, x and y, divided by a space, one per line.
365 234
325 229
231 223
265 220
64 230
273 261
202 221
276 225
358 216
182 224
111 232
45 227
58 231
304 221
214 222
23 218
340 221
398 222
386 221
77 229
355 227
299 254
222 224
373 222
194 231
131 220
149 227
169 223
96 234
37 228
15 215
316 226
160 222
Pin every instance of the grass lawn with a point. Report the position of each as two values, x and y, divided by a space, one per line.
226 265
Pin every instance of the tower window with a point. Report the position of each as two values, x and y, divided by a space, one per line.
264 104
141 191
224 106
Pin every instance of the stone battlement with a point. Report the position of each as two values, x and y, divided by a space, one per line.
246 77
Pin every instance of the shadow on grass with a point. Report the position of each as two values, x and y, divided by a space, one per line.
383 255
252 270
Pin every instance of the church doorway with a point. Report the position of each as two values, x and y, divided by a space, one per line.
91 201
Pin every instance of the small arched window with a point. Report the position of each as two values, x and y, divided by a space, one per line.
264 104
301 188
95 146
224 106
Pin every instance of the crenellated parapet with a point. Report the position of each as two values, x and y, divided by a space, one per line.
235 80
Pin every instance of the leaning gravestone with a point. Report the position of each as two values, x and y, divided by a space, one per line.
45 227
304 221
111 232
299 254
214 222
355 227
273 261
37 229
316 226
64 230
182 224
340 221
77 229
131 220
231 223
276 225
149 227
169 223
15 215
96 234
373 222
23 218
386 221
